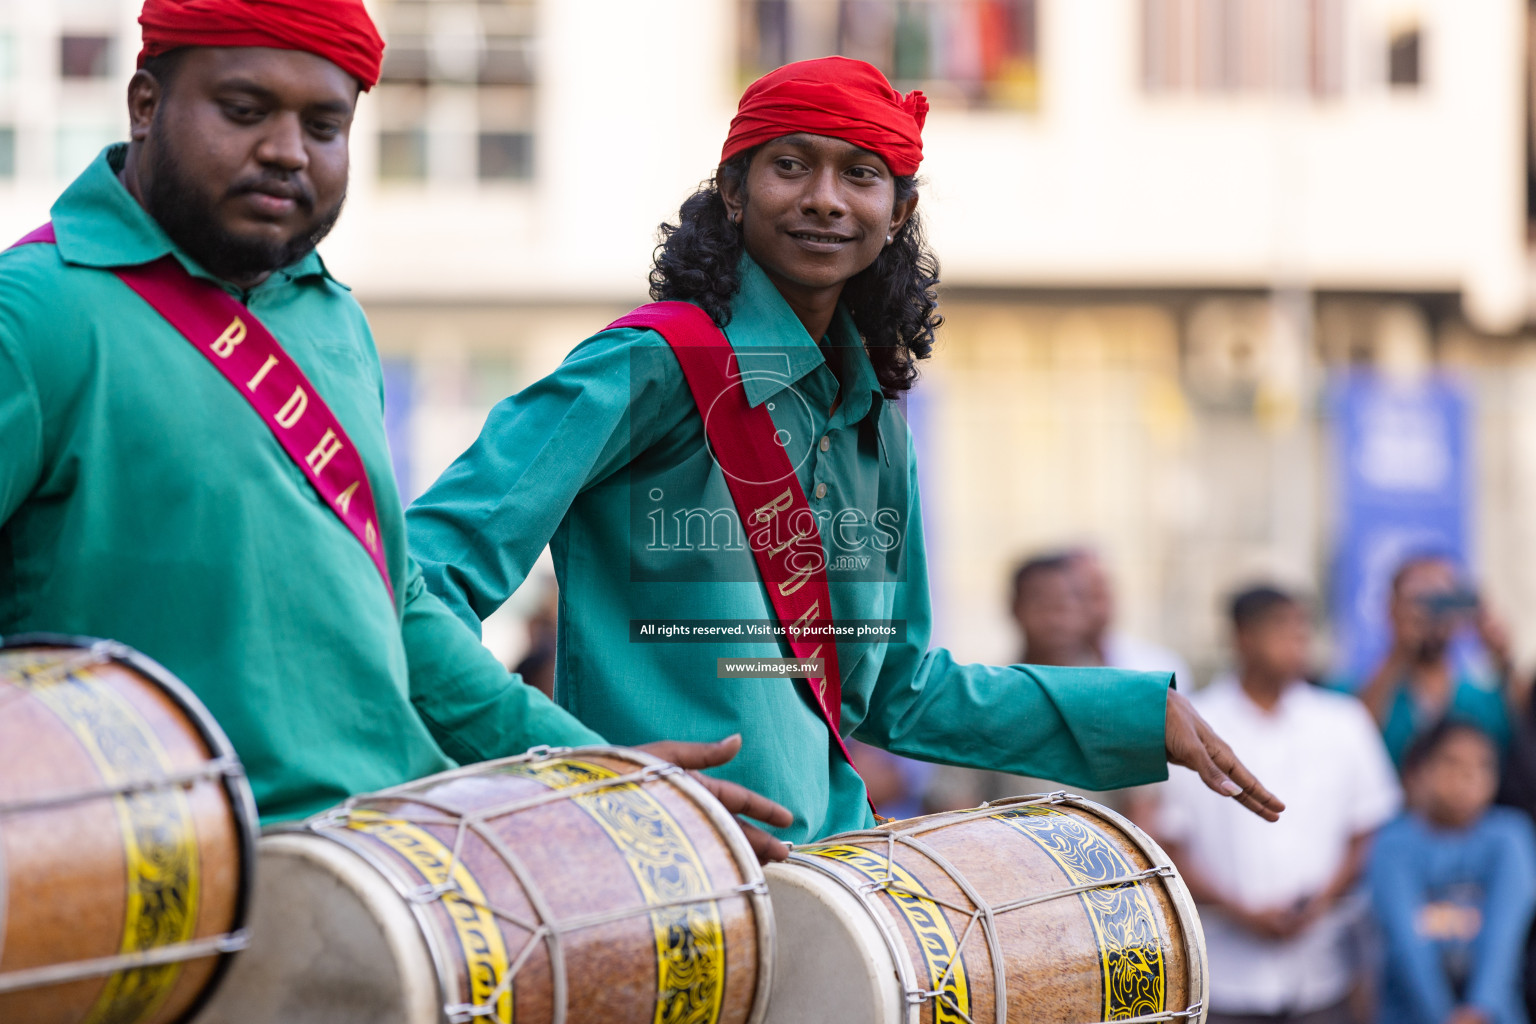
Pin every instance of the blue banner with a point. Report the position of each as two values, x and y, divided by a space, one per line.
1403 486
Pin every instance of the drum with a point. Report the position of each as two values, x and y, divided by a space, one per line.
560 887
1047 909
127 834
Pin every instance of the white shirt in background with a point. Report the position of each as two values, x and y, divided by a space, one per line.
1321 753
1121 650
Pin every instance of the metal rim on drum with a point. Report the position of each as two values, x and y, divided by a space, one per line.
225 765
984 913
548 931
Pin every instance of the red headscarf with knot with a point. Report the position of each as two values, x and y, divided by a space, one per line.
338 30
834 96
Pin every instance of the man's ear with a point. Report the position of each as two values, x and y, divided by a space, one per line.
144 96
733 195
902 213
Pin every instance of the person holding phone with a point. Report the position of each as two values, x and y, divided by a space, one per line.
1418 682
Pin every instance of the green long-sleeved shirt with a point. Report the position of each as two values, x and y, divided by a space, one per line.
142 499
605 460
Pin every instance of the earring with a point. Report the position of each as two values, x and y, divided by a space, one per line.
887 239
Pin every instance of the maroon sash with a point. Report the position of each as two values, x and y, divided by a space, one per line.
253 362
780 526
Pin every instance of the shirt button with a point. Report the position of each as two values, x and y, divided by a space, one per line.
826 443
821 490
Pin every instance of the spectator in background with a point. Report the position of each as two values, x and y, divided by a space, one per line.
895 784
1052 616
1047 605
1115 649
1107 645
537 666
1453 885
1275 898
1418 682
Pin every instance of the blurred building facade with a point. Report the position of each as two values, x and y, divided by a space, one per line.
1165 226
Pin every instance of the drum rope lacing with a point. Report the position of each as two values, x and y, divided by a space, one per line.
983 913
76 970
218 768
546 929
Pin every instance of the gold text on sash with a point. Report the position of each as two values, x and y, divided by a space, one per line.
323 452
261 374
233 335
767 512
808 617
292 409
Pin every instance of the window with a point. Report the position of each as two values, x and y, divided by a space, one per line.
78 145
85 56
403 132
1243 46
506 156
457 90
7 152
505 144
403 155
969 52
1404 57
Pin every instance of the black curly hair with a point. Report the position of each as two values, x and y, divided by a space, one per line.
892 302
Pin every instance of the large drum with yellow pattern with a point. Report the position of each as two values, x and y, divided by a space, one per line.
589 885
127 838
1046 909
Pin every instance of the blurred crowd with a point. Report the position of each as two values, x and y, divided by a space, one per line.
1400 883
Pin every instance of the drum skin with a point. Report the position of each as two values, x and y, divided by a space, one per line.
612 869
112 874
1109 953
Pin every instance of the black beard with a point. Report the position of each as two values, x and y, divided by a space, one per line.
185 212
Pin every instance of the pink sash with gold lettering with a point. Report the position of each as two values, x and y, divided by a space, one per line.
251 359
780 526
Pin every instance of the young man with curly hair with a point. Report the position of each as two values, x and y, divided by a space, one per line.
735 457
192 450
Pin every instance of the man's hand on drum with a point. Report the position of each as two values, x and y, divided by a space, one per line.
739 800
1195 745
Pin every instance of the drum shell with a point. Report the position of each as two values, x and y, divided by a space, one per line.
1110 953
607 854
112 874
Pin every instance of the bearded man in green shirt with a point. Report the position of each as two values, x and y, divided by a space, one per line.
806 250
144 499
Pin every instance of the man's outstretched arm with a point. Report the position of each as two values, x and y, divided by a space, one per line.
477 711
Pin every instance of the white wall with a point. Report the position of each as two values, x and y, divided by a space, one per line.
1104 185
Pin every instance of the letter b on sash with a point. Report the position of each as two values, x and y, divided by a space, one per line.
233 335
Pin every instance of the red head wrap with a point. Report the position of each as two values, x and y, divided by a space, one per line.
338 30
835 96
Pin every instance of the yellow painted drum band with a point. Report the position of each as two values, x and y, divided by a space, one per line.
690 940
159 841
1130 940
477 930
929 925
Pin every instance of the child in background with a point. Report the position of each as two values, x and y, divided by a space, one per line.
1453 886
1276 899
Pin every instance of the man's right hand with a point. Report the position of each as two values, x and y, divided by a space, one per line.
1195 745
737 799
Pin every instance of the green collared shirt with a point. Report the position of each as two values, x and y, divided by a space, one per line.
605 460
142 499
